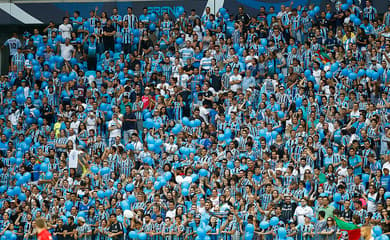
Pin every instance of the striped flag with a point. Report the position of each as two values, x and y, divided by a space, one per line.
321 56
350 228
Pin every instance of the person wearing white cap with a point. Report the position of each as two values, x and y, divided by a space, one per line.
84 231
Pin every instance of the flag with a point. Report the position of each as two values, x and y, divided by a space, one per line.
352 229
322 56
322 178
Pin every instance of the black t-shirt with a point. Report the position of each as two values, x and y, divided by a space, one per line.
146 44
46 109
128 125
59 229
330 43
32 48
70 229
243 18
132 64
115 228
216 82
347 215
207 103
108 40
288 210
361 38
188 68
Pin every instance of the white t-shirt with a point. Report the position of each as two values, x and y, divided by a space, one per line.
162 86
171 214
301 212
342 171
386 165
91 123
116 132
170 148
75 126
183 80
317 75
67 52
66 30
235 87
371 205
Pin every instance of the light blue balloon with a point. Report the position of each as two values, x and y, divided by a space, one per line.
68 205
185 185
152 27
95 169
167 176
361 72
377 230
282 233
133 235
49 175
203 172
194 177
250 228
264 225
132 199
44 167
125 205
274 221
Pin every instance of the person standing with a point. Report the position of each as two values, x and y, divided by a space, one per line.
91 46
108 36
43 233
13 44
129 124
114 127
67 50
115 230
65 29
84 231
18 61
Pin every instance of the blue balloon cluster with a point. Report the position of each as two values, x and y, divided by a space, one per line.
180 10
105 171
226 136
95 169
148 123
192 123
249 231
161 182
177 129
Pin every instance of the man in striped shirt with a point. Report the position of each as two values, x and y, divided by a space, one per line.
18 60
127 37
130 18
137 108
295 25
370 12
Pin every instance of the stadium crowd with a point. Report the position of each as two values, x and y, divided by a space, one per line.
207 127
